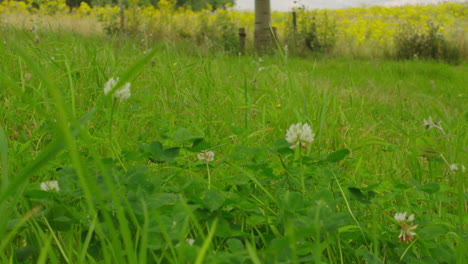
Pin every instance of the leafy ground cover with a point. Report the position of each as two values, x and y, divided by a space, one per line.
191 161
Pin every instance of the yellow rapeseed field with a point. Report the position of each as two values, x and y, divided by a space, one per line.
363 30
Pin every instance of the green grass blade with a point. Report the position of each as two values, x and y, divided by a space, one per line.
207 242
4 159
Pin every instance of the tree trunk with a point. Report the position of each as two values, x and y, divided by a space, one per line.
263 39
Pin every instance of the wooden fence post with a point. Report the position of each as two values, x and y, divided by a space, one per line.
294 24
294 20
242 37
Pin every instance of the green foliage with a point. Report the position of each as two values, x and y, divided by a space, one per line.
411 44
198 5
112 24
220 34
76 3
133 190
317 31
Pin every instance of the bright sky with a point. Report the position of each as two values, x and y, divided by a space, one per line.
287 5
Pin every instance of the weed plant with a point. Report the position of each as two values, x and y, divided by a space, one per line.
410 44
114 151
318 33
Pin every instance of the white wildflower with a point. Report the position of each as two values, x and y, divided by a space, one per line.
110 84
190 241
206 156
400 217
122 93
406 235
299 134
429 123
49 186
455 167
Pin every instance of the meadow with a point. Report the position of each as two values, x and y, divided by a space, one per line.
118 150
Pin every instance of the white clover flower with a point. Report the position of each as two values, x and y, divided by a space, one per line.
50 186
400 217
190 241
299 134
110 84
406 235
455 167
122 93
206 156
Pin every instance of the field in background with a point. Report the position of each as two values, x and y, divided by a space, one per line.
90 177
357 32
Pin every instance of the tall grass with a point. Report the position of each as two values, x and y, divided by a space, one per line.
133 191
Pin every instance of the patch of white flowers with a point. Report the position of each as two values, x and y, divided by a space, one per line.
122 94
299 135
50 186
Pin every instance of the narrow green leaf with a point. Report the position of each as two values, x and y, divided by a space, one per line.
4 159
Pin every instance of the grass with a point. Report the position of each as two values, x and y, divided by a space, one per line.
83 25
133 191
